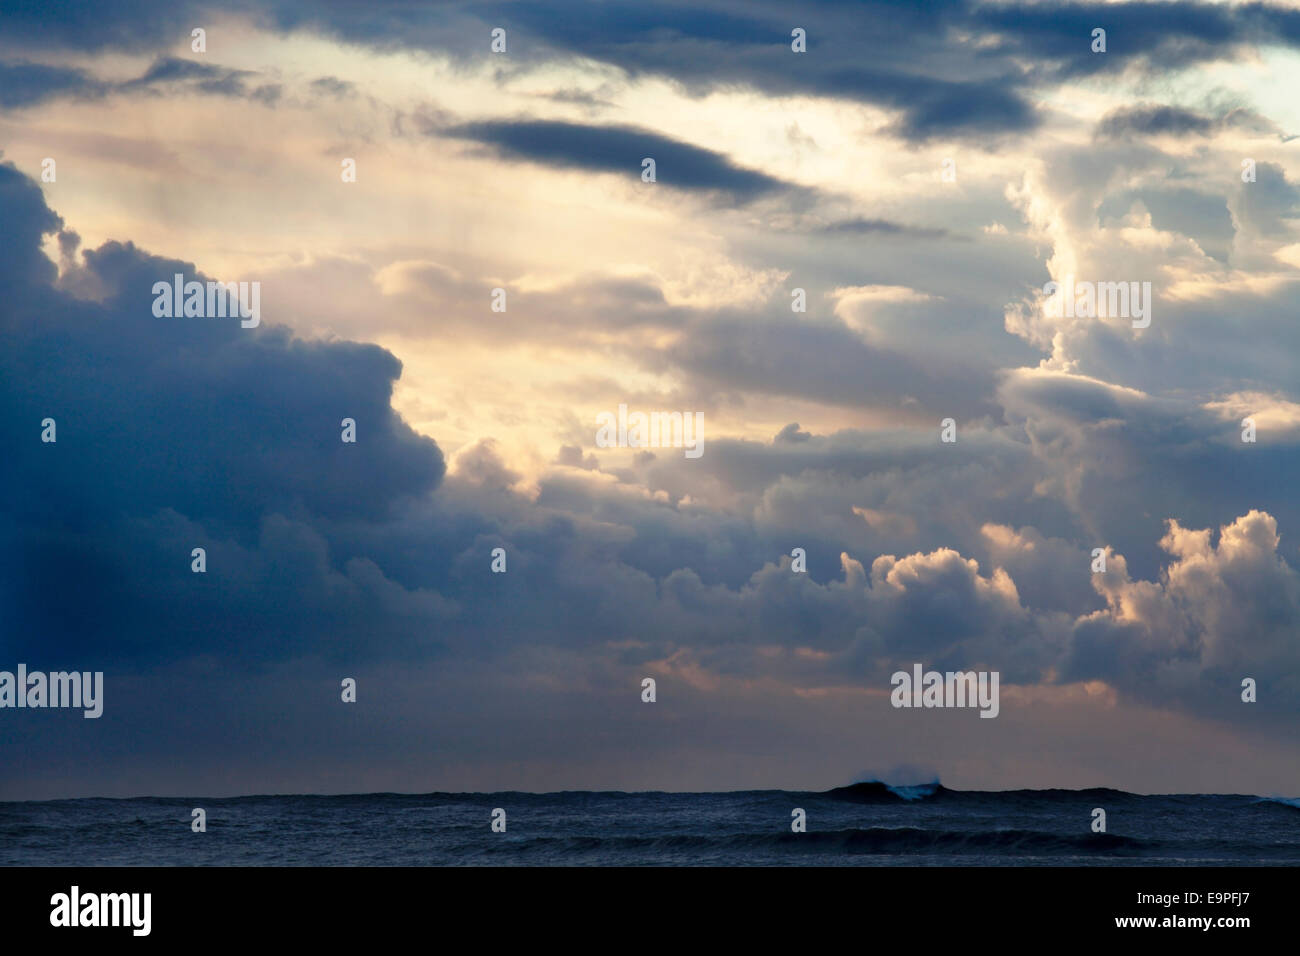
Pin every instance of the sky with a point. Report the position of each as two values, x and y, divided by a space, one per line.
921 171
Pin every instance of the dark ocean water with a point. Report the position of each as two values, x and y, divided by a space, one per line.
866 824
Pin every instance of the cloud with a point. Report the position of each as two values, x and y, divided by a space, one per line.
619 149
1154 119
792 434
27 84
373 559
1125 460
1271 203
881 227
960 69
27 219
1219 613
202 77
1145 37
333 86
926 66
139 25
182 433
829 363
1204 217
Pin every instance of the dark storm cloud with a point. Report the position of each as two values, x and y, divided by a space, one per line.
26 84
332 86
919 60
27 219
182 433
958 69
201 77
1146 36
887 54
618 149
703 47
1154 119
1161 119
885 227
325 558
132 25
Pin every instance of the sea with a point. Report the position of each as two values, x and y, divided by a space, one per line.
865 824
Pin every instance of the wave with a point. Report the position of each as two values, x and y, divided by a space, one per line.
1292 802
879 792
876 791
